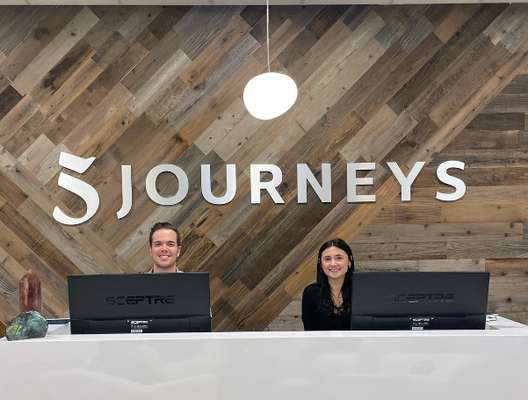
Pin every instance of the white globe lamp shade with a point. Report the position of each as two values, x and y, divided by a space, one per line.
269 95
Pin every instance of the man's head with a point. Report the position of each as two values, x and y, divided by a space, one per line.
164 247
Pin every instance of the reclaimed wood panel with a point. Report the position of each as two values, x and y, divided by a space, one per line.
143 86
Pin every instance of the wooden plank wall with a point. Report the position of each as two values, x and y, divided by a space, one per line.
144 86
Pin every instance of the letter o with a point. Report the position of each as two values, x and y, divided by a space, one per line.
183 184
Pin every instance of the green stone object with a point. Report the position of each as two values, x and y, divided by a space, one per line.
27 325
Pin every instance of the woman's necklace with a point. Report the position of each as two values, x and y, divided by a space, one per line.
337 299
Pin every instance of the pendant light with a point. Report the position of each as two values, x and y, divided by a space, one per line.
270 94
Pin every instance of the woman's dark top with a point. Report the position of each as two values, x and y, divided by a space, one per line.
314 319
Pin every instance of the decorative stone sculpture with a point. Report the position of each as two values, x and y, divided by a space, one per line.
30 293
27 325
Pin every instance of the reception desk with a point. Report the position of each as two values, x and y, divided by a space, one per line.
486 364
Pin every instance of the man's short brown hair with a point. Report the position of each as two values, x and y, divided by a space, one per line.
164 225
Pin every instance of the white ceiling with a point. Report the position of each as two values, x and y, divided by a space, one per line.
237 2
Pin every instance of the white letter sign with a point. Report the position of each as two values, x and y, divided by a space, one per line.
353 181
443 176
207 193
323 191
80 188
406 182
183 184
271 186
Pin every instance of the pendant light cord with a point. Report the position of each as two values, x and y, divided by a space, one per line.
267 31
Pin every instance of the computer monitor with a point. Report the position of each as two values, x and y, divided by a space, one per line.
139 303
419 300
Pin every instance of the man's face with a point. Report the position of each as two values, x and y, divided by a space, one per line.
164 250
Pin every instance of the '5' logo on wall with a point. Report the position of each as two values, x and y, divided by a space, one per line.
80 188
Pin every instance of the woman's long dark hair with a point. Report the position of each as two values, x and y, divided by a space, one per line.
327 307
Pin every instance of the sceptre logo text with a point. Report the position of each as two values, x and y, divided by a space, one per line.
134 300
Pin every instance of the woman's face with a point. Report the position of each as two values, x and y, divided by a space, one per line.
334 262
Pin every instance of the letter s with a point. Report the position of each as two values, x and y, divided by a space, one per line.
80 188
458 184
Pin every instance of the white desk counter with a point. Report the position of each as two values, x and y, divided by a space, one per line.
446 365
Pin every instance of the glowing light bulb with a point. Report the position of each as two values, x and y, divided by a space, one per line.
270 95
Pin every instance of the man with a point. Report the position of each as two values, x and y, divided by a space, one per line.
164 241
164 247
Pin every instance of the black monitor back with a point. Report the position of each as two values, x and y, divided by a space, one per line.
419 300
139 303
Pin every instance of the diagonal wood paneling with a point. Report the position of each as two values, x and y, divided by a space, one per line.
149 85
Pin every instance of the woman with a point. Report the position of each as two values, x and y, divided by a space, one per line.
326 304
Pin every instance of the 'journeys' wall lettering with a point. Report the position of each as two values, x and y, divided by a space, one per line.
305 177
